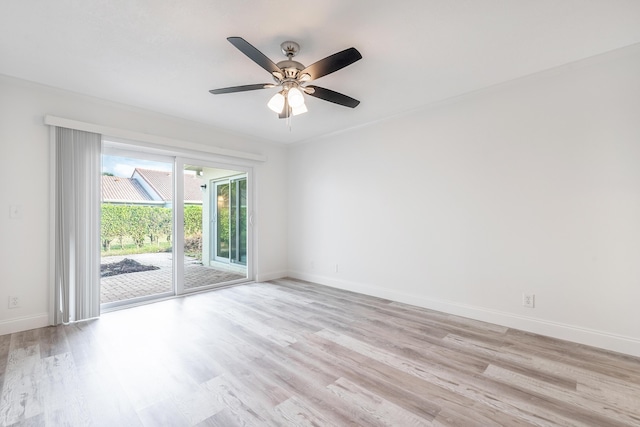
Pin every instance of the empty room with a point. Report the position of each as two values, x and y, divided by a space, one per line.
250 213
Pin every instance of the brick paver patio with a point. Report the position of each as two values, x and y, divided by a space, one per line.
144 283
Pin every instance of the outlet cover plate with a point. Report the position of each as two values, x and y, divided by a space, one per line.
528 300
14 302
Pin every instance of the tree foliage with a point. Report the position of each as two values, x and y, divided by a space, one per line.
192 220
140 223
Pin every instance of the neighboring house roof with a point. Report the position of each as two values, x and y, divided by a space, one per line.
159 181
116 189
162 184
156 188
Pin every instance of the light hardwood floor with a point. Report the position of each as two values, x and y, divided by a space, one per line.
294 353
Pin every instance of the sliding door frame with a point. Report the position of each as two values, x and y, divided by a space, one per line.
178 192
214 254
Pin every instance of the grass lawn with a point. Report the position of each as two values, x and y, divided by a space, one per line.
130 248
192 248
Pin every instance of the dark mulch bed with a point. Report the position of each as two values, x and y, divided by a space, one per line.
125 266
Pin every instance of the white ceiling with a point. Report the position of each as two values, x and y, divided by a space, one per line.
164 55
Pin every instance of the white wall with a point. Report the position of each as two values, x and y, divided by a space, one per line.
531 186
24 157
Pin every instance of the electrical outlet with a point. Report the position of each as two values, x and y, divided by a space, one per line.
14 302
528 300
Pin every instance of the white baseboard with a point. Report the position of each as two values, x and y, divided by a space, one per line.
573 333
25 323
264 277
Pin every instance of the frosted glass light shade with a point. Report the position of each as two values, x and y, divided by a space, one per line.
295 97
298 110
276 103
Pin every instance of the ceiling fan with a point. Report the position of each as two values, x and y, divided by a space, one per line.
293 77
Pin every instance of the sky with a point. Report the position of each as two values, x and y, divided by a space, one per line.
124 166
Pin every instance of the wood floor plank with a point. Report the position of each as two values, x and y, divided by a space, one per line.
65 403
615 395
290 352
198 405
409 392
274 335
468 386
564 394
107 403
406 345
273 314
21 398
299 412
53 341
382 410
5 348
163 413
423 398
237 401
296 380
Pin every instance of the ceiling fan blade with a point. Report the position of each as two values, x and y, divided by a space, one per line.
332 63
254 54
243 88
331 96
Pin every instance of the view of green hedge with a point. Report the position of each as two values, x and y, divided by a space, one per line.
139 223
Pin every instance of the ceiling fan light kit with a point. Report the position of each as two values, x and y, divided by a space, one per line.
295 98
276 103
292 77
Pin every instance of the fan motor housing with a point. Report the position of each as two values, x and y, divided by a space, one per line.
290 68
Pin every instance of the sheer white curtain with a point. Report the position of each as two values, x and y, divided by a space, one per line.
77 225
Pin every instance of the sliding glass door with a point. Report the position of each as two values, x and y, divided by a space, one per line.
221 214
238 221
216 231
136 228
170 226
230 207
